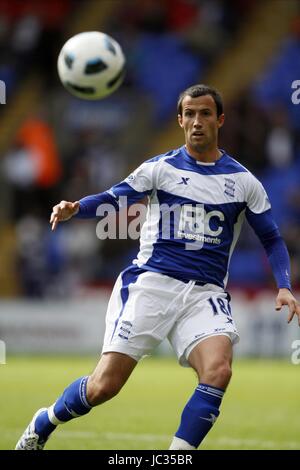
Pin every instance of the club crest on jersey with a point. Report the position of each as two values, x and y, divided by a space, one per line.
229 187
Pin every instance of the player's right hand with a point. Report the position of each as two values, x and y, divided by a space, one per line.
62 212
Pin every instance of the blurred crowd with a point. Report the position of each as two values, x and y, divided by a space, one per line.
68 148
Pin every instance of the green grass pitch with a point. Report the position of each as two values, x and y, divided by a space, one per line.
260 409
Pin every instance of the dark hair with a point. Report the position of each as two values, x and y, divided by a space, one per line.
201 90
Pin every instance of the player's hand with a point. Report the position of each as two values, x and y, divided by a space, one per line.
285 297
62 212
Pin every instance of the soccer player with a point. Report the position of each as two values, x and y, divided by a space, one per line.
198 197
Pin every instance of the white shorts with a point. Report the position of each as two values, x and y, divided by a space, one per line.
147 307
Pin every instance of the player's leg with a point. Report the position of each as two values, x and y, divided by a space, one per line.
78 398
211 359
140 315
111 373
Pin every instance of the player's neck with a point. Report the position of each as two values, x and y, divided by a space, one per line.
205 156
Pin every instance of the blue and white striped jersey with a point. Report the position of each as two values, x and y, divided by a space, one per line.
195 213
194 216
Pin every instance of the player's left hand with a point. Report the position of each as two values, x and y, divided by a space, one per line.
285 297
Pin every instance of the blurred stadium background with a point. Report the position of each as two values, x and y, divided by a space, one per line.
54 287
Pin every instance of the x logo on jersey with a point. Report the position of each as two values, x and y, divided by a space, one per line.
184 180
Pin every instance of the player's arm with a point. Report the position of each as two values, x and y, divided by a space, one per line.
259 216
133 189
85 208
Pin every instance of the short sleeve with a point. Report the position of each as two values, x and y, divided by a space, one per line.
257 198
142 179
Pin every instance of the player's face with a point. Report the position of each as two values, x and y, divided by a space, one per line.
200 122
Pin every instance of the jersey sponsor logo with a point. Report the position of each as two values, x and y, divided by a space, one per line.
188 221
195 224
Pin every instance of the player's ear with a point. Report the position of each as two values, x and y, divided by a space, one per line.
221 120
179 117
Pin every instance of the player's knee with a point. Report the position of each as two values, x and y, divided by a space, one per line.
225 373
218 374
101 391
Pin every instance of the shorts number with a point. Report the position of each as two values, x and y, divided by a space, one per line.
221 304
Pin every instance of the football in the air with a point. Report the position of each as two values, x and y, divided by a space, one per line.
91 65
